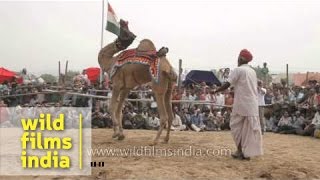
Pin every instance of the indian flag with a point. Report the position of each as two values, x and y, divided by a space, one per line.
112 21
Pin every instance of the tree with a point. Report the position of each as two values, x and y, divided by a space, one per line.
71 74
49 78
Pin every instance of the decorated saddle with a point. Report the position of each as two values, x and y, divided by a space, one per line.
133 56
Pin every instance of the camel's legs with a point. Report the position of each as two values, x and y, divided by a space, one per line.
163 115
113 109
123 94
168 105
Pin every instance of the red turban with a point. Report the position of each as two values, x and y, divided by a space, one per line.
246 55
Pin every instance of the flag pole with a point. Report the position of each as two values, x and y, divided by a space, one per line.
101 45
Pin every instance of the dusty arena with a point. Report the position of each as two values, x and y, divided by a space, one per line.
286 157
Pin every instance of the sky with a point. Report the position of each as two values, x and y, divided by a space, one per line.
205 34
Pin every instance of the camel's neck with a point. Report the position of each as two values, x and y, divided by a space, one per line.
106 59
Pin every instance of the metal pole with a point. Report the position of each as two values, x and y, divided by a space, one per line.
101 45
180 71
65 73
287 75
59 73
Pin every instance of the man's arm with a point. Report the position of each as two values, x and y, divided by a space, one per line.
224 86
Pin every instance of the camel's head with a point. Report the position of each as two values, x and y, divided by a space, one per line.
146 45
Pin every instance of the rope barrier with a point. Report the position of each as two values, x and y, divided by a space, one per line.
130 100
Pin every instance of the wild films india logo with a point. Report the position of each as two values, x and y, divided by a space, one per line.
50 145
50 142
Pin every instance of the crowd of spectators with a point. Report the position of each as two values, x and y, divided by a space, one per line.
290 110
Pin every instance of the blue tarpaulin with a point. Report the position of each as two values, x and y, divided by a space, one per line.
197 76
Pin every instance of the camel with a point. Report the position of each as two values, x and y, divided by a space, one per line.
131 75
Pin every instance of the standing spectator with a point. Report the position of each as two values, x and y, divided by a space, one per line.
210 97
176 95
278 98
192 97
185 96
220 100
261 93
228 98
268 97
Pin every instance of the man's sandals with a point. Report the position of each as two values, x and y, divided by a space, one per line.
240 156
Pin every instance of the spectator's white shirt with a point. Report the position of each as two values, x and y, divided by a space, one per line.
192 98
261 93
185 97
244 81
109 94
316 119
300 96
154 122
285 121
153 103
220 99
177 121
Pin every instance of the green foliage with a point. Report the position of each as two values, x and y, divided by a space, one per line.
49 78
71 74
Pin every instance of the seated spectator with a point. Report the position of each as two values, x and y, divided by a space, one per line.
196 121
297 124
145 112
299 121
271 124
153 122
127 119
177 123
226 119
219 120
208 120
315 124
186 118
285 122
4 115
139 121
97 119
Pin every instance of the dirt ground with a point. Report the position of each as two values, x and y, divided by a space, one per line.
286 157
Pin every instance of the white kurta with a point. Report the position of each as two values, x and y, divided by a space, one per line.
244 122
244 81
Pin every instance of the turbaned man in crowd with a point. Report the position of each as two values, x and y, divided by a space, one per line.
244 122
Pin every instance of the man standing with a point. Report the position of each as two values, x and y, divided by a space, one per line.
261 93
244 122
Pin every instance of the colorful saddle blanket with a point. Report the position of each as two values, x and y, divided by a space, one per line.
132 56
